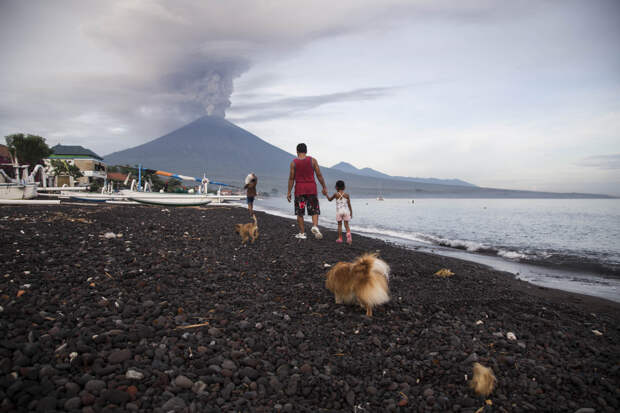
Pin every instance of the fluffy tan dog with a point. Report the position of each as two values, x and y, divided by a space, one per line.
364 281
248 231
483 381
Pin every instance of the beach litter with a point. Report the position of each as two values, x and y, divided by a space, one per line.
134 375
444 273
597 333
192 326
511 336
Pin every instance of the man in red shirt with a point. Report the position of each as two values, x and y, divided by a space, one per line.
302 173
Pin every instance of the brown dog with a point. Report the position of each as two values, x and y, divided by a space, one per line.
483 381
248 231
364 281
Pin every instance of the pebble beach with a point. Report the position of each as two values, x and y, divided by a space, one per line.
135 308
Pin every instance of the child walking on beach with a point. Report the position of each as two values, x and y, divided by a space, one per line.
344 212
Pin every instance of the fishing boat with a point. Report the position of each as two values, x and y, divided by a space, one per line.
201 197
91 196
18 188
17 191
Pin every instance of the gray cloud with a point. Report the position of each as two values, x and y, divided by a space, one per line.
284 107
85 68
601 161
123 71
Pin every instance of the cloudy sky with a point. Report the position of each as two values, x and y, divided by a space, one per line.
512 94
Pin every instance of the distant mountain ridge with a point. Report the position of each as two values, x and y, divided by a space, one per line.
227 153
347 167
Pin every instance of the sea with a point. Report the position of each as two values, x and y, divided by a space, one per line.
567 244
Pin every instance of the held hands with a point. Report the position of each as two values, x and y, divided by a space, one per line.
324 191
288 197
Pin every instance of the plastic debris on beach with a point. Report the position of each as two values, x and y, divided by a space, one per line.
479 322
597 333
326 265
109 235
444 272
511 336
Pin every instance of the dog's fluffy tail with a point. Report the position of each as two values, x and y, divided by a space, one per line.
373 288
254 218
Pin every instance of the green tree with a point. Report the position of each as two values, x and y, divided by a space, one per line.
29 149
61 167
96 185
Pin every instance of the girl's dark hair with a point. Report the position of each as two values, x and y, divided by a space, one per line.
339 185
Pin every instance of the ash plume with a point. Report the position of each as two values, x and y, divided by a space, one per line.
214 90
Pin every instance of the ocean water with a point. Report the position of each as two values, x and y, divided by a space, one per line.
570 244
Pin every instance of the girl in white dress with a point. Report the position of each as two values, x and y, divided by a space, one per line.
344 212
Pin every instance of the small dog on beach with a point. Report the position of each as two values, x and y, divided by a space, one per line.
364 281
483 381
248 231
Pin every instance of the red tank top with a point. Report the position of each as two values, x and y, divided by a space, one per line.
304 177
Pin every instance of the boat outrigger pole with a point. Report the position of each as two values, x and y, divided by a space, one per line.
189 178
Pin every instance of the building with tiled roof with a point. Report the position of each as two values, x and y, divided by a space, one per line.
73 152
117 176
90 164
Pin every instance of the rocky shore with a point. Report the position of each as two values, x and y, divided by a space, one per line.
132 308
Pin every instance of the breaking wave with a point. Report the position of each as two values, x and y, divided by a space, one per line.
574 261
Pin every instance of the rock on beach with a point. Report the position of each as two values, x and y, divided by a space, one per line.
177 315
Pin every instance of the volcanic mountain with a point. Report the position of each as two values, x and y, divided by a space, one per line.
210 145
227 153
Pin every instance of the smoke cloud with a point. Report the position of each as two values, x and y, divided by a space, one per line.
116 73
157 63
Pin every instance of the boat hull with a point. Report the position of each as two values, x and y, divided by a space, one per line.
177 201
17 191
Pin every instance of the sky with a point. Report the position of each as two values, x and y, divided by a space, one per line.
509 94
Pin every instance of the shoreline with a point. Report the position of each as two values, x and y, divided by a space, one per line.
538 273
206 324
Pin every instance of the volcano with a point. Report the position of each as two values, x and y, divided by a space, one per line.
213 146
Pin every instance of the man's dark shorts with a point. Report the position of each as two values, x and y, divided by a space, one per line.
310 202
250 199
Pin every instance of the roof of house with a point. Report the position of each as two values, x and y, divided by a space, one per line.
116 176
4 152
73 151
